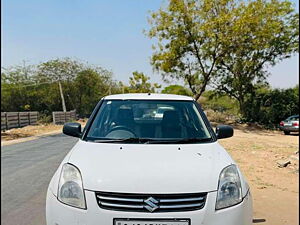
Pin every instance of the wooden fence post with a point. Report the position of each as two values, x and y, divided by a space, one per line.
29 118
6 121
53 115
19 120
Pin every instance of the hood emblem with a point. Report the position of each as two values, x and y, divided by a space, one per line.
151 204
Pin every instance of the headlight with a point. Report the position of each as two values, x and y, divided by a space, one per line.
70 188
229 190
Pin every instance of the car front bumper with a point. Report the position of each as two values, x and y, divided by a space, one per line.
61 214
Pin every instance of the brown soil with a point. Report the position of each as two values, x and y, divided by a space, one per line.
32 131
275 190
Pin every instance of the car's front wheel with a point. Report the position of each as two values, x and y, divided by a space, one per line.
286 132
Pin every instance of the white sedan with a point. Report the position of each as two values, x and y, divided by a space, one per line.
126 170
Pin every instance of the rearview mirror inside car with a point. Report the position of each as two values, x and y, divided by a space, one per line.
72 129
224 131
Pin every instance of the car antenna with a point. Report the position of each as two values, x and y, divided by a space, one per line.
149 93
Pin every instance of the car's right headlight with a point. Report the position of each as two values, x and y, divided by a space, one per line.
229 190
70 188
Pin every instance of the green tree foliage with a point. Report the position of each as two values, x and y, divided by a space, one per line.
60 70
36 87
188 40
177 90
227 43
261 33
139 83
90 86
221 103
269 106
15 81
64 69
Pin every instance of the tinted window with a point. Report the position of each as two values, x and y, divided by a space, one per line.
157 120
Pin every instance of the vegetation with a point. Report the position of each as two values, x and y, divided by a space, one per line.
225 43
221 103
44 87
267 108
177 90
270 106
139 83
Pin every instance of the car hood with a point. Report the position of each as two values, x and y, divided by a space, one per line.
150 168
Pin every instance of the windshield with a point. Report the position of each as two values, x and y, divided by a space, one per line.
148 121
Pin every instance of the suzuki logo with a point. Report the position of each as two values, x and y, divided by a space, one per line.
151 204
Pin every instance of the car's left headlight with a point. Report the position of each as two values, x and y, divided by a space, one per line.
229 190
70 188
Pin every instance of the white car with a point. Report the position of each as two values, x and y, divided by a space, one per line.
126 170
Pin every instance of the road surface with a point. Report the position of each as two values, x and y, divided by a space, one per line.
26 170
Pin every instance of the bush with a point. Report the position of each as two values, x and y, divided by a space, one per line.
219 108
220 117
269 107
177 90
45 118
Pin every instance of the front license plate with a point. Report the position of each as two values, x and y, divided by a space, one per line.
151 222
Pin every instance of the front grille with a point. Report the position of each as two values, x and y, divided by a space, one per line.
150 202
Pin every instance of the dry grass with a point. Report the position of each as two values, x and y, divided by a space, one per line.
219 117
31 131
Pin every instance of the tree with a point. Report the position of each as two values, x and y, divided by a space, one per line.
270 106
139 83
261 34
90 86
14 82
177 90
220 103
59 70
224 43
189 37
35 87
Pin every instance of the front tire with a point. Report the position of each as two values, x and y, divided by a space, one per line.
286 132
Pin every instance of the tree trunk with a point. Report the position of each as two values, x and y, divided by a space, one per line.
197 96
62 97
242 106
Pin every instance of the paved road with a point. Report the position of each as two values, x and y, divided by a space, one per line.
26 170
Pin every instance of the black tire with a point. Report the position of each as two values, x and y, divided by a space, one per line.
286 132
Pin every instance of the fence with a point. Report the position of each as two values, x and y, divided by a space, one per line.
18 119
63 117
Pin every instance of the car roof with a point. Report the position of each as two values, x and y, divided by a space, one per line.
148 96
293 116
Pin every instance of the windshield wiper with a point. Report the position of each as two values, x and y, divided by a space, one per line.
153 141
123 140
180 141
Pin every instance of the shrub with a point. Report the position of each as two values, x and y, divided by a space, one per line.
269 107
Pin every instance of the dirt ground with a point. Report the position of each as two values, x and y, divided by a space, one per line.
32 131
275 190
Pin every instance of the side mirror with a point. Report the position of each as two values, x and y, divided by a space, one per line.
224 131
72 129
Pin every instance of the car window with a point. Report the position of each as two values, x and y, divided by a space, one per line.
293 118
152 119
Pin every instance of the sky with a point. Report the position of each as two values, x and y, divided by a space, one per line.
108 33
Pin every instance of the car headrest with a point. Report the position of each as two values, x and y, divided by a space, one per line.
171 117
124 116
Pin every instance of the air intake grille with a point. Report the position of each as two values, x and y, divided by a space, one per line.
150 202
